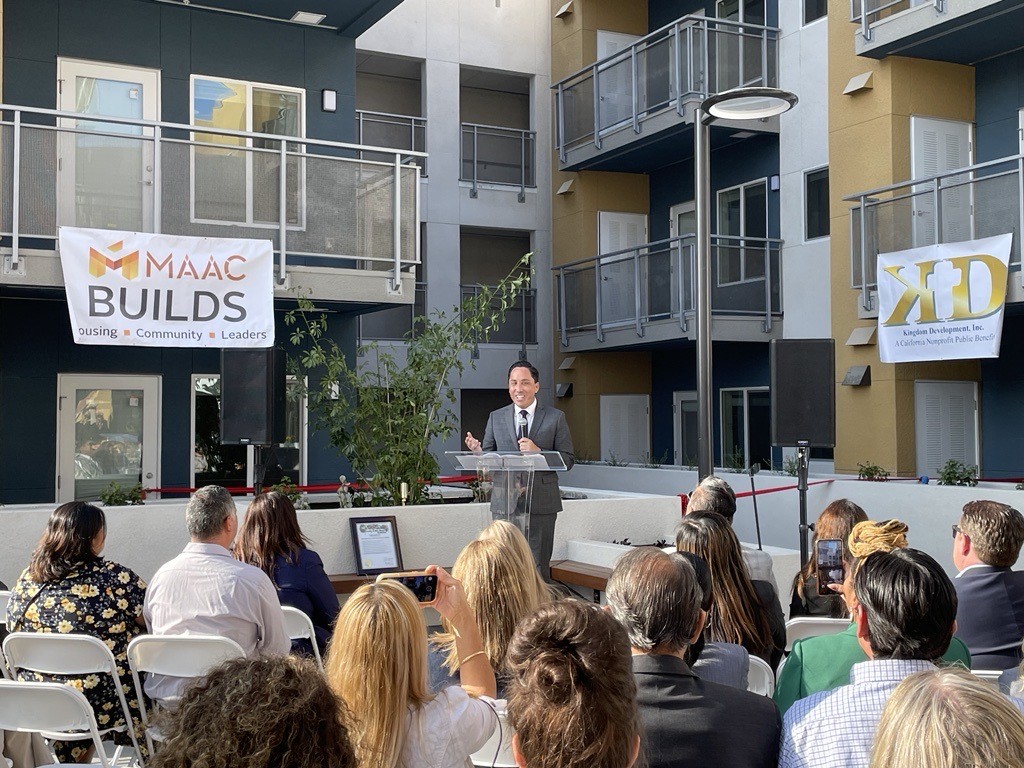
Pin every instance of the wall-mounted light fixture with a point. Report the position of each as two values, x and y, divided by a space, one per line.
329 100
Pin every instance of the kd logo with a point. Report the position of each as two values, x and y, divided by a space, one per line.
920 292
128 264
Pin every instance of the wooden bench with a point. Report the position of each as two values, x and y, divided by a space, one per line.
571 572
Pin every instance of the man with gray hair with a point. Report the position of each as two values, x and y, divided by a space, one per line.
687 721
206 591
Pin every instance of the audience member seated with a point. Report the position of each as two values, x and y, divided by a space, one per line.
687 720
905 615
270 539
743 611
206 591
69 588
502 584
986 544
377 663
723 663
835 522
572 695
269 712
948 717
823 663
713 494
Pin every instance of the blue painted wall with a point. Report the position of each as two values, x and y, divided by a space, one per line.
1002 391
999 93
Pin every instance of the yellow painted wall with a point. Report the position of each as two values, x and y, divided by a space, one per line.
869 147
574 219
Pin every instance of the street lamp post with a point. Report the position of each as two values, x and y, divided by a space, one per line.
736 104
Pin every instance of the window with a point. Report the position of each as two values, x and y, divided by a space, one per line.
746 428
232 465
237 178
814 10
816 204
742 213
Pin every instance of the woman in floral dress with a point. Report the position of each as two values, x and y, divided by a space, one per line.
69 588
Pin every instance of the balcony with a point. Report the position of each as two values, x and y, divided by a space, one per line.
495 155
393 323
653 86
346 229
646 294
958 31
520 326
977 201
380 129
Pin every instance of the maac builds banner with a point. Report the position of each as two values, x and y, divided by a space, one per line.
942 302
137 289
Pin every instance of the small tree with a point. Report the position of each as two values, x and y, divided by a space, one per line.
384 417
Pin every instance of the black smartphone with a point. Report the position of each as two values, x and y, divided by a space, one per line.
422 585
829 556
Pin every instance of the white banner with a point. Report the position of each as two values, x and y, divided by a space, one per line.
943 302
138 289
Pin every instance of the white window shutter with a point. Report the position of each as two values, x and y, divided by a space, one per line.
625 427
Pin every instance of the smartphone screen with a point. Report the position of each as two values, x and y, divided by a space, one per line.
830 564
424 586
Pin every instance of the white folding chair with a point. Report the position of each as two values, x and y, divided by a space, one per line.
53 710
176 656
74 656
990 676
760 678
300 627
812 626
497 752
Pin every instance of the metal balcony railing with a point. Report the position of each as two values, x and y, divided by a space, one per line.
688 60
520 326
980 200
868 12
495 155
314 199
655 282
394 323
381 129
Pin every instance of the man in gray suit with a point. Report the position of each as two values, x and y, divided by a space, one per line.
529 426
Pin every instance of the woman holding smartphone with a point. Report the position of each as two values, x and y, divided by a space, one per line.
377 663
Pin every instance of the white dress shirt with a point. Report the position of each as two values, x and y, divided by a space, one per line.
206 591
530 409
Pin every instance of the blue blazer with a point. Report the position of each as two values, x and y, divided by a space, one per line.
304 585
990 615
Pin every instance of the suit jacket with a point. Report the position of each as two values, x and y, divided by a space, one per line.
304 585
723 663
990 615
688 721
550 432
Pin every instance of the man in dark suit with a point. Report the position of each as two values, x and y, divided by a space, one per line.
990 617
686 720
530 427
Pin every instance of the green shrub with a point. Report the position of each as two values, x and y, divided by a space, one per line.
869 471
955 472
117 495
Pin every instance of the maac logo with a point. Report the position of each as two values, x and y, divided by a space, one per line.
962 302
100 262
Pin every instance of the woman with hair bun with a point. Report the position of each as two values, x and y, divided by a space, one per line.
572 695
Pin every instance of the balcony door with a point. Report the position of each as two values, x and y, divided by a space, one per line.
936 147
619 231
105 177
738 56
108 431
615 86
682 222
684 416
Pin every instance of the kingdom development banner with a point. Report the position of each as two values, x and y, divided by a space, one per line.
138 289
943 302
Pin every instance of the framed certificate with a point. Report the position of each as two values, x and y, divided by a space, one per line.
375 541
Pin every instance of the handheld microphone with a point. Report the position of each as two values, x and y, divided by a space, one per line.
522 422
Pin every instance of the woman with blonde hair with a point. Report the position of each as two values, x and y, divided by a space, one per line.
824 662
377 663
743 611
957 721
502 585
835 522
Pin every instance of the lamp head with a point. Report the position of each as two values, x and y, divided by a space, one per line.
749 103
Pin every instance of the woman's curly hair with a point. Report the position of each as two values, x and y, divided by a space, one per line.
266 712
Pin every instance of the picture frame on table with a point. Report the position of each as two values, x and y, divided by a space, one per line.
375 544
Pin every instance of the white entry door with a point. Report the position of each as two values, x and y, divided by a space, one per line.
946 424
106 181
618 232
615 79
684 418
626 428
108 430
683 221
938 146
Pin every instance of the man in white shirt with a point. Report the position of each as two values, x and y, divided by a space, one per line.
206 591
713 494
